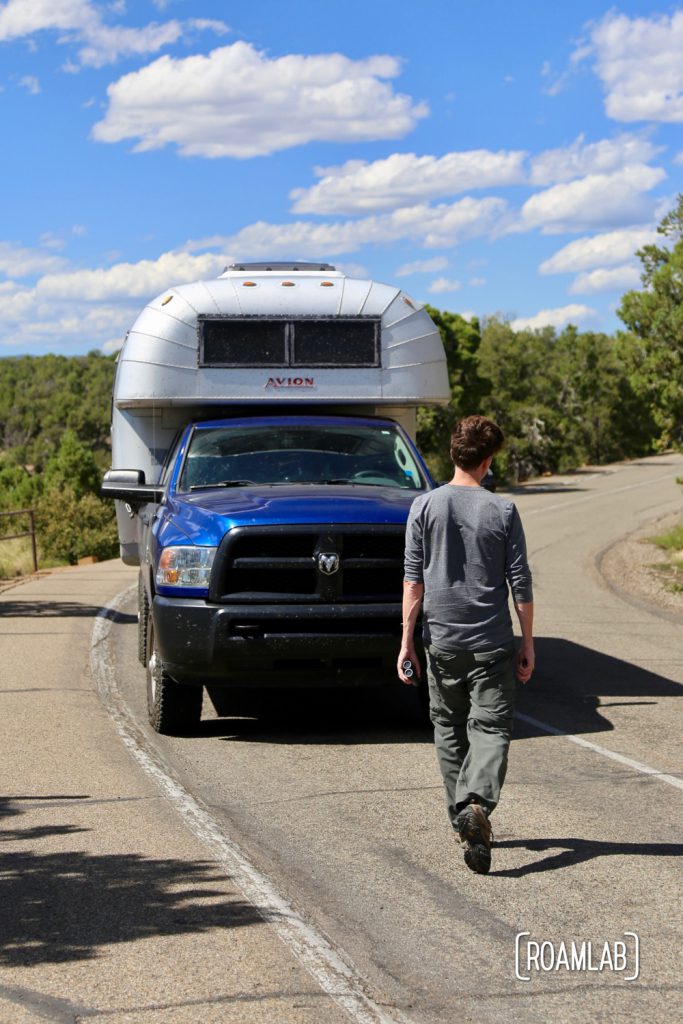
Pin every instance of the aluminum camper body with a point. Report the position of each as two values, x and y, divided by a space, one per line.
176 364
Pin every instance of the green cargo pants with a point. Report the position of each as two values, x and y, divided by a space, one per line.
472 703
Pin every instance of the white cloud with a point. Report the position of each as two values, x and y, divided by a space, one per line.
19 18
613 247
93 307
80 322
560 317
581 158
17 261
50 241
219 28
353 269
81 23
434 227
16 304
678 159
403 178
422 266
476 282
598 200
639 62
105 44
606 280
557 82
444 284
130 280
31 84
111 345
237 102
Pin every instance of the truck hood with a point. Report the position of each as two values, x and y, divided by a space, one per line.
206 516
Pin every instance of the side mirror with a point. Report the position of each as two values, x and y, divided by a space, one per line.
129 485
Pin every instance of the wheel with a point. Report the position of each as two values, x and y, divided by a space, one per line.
173 709
143 619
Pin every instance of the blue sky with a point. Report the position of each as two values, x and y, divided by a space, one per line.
489 157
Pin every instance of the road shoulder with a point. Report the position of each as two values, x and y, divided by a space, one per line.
629 568
111 906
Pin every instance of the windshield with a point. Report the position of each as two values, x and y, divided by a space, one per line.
236 456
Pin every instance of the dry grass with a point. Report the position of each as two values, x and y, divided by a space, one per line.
671 571
15 558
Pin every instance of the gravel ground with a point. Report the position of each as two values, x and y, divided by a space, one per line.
629 567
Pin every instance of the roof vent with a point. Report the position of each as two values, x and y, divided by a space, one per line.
276 267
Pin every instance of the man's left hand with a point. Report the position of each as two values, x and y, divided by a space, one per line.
526 661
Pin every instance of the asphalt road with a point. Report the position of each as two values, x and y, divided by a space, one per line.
335 800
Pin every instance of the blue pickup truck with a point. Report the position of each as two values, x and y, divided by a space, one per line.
265 496
272 550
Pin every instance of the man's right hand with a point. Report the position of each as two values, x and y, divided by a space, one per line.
408 653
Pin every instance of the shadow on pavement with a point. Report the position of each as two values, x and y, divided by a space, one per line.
658 464
388 714
544 489
571 682
61 609
63 906
577 851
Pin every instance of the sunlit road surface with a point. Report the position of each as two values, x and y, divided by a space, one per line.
335 802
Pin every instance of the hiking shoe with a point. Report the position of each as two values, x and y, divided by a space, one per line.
474 829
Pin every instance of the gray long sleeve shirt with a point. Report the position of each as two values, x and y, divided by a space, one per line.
466 545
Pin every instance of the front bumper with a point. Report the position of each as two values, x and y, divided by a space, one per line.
262 645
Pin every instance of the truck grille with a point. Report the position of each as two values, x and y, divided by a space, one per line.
312 565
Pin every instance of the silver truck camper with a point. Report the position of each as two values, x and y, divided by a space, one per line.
270 336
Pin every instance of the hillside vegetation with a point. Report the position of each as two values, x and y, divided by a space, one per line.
54 447
564 399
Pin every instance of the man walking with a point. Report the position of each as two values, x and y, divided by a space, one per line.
464 546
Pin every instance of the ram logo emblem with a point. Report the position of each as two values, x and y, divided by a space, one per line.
328 563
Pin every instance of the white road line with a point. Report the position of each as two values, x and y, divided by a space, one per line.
599 494
326 964
580 742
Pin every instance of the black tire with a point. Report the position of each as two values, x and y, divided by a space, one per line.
173 710
143 620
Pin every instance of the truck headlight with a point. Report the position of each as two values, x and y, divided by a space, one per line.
185 567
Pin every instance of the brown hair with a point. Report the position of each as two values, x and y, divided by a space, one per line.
474 438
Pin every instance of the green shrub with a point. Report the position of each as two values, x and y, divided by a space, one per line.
71 526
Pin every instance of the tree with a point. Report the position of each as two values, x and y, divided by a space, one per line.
461 340
40 395
70 527
18 488
602 417
523 385
654 316
72 520
72 465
